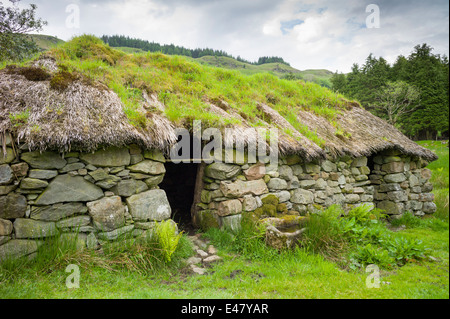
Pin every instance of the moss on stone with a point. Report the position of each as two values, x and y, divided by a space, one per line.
61 80
271 200
282 208
266 210
208 220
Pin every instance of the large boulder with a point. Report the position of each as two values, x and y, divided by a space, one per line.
107 213
129 187
154 155
112 156
6 227
45 160
6 174
254 172
12 206
9 156
151 205
148 167
229 207
240 188
75 222
32 183
66 188
56 212
17 248
302 196
42 174
30 228
222 171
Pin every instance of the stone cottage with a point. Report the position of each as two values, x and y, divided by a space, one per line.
71 164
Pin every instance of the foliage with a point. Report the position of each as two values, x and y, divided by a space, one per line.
167 238
14 24
365 213
422 76
19 119
397 99
370 254
404 249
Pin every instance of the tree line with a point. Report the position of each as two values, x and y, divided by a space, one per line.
412 93
171 49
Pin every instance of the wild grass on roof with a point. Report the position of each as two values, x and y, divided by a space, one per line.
186 87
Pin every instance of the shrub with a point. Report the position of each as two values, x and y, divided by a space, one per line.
365 214
404 250
369 254
168 238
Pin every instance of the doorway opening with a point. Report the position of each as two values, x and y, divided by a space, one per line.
179 185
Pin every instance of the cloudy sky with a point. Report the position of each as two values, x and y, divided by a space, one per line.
309 34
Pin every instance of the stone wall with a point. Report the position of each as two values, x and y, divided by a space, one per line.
99 195
401 184
300 188
393 183
103 195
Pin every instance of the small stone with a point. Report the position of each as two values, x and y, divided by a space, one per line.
99 174
72 167
12 206
44 160
277 184
211 259
198 270
6 174
6 227
212 250
109 182
202 253
32 183
193 260
395 178
20 169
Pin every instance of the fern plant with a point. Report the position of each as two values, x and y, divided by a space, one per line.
168 238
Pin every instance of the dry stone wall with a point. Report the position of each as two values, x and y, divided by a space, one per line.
114 191
94 197
393 182
402 184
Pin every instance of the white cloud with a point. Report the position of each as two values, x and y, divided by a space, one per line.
332 34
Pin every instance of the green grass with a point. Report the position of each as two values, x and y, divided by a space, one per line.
440 176
46 42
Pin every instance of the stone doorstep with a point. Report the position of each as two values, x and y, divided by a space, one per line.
202 257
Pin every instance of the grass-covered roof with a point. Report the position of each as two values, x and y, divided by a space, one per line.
84 95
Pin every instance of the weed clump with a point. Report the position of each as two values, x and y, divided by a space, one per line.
30 73
61 80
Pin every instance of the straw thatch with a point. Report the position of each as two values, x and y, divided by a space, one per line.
87 116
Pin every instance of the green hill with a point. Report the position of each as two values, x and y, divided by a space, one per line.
281 70
45 42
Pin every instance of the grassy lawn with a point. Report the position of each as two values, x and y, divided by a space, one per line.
251 270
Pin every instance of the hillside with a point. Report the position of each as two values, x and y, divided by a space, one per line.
281 70
45 42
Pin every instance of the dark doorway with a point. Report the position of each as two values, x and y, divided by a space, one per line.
179 185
